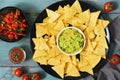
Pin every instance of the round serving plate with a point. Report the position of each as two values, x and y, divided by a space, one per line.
43 15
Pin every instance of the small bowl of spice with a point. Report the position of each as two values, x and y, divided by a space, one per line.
17 55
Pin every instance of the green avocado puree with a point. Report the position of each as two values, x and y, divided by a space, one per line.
71 41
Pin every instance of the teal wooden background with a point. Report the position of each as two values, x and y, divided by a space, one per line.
32 8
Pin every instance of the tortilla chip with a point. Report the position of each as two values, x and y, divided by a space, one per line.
100 51
89 33
39 53
93 59
83 60
42 60
93 44
74 71
59 10
88 46
99 30
103 23
53 52
65 58
81 27
41 43
86 68
41 29
74 60
67 16
59 69
76 7
84 17
93 18
51 41
101 41
55 61
59 26
52 16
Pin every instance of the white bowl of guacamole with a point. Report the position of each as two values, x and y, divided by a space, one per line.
71 40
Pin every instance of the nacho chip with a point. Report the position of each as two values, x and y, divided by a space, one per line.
88 46
40 44
93 44
68 13
59 10
86 68
89 32
52 16
51 41
83 60
53 52
39 53
59 69
41 29
100 51
93 59
101 41
99 31
81 27
59 26
42 60
84 17
65 58
93 18
55 61
36 42
103 23
76 7
51 29
74 60
75 21
74 71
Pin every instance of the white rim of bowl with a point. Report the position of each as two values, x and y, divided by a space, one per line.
80 31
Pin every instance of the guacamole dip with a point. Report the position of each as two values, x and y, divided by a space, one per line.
71 40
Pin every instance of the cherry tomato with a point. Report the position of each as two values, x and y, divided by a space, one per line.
23 20
108 6
115 59
18 72
31 76
25 77
16 36
10 36
17 13
35 76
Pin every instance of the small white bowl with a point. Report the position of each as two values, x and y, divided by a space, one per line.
77 29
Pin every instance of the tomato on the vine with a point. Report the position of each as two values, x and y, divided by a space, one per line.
108 6
115 59
18 72
31 76
25 77
35 76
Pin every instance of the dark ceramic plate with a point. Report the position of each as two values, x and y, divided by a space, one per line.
6 10
43 15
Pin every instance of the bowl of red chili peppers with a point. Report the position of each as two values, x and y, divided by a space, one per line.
13 24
